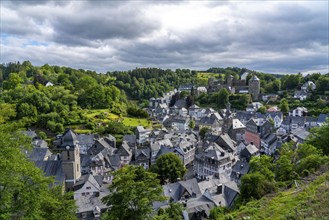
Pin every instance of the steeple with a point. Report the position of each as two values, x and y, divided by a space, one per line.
70 156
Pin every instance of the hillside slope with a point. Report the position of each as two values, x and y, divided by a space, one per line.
308 200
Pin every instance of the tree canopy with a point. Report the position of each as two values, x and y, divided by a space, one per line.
169 168
24 192
133 191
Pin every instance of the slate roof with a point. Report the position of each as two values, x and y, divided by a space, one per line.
142 152
271 139
226 142
69 138
124 150
86 178
273 114
52 168
40 143
300 121
39 154
165 150
300 133
129 138
176 190
86 139
322 118
208 120
114 161
157 144
180 103
241 167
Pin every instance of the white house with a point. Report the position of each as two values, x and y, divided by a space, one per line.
309 85
299 111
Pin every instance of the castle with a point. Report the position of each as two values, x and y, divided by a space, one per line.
239 86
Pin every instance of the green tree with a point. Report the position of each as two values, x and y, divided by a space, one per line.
284 106
24 191
191 124
254 186
264 165
319 137
203 132
169 168
222 98
133 191
7 111
262 109
173 212
13 81
284 168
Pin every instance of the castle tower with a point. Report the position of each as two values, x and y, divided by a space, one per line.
230 81
70 157
254 88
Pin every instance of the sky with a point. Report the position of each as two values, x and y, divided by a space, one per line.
268 36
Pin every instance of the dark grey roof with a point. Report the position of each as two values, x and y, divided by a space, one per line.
273 114
39 154
86 139
40 143
83 179
323 118
180 103
241 167
226 142
69 138
298 120
230 194
300 133
100 145
130 138
207 120
175 191
141 152
271 139
84 160
52 168
124 149
311 119
114 161
165 150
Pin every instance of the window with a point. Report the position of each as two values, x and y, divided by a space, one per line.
88 187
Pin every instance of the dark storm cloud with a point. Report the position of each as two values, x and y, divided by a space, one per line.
92 25
272 36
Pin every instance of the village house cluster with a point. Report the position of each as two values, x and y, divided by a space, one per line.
216 161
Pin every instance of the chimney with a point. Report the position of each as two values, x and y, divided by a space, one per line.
219 189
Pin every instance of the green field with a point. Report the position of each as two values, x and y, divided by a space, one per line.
204 75
103 116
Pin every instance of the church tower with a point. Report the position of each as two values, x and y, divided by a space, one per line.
228 120
70 157
254 88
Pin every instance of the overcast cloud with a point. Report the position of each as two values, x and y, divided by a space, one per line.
272 36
